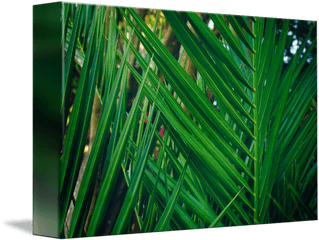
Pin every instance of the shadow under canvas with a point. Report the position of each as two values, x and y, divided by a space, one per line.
23 225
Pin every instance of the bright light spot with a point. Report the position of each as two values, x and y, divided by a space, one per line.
215 103
286 59
226 46
294 47
289 33
309 59
211 24
86 148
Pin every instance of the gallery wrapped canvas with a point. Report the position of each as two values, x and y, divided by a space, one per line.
180 120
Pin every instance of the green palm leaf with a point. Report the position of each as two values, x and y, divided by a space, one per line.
180 158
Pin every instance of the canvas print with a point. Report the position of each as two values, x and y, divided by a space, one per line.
180 120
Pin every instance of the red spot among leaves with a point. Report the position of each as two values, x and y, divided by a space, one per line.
161 132
145 121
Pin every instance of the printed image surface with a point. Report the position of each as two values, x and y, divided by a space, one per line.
180 120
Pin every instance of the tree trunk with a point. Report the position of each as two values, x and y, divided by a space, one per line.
96 111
